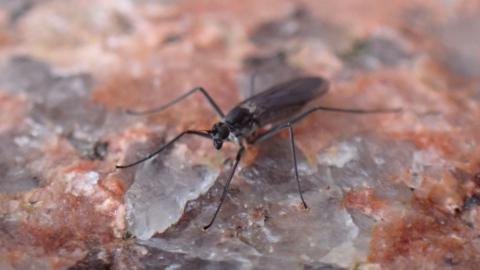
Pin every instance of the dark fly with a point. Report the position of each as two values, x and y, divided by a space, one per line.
277 108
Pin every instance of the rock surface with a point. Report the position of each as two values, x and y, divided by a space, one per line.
387 191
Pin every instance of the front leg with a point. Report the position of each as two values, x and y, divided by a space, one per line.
227 185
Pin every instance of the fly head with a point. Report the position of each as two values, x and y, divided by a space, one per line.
219 133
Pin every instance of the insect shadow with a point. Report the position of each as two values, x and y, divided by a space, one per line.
277 108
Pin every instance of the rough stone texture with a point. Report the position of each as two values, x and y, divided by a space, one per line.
396 191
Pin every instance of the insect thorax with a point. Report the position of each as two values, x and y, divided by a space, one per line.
241 121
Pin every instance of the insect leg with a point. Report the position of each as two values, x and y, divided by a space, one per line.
252 83
227 185
294 156
360 111
274 130
299 117
149 156
289 124
179 98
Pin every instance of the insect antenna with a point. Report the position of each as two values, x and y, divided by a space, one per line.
200 133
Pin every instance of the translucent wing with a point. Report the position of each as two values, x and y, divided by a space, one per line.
281 101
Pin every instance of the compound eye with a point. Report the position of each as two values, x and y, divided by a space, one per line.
224 132
217 144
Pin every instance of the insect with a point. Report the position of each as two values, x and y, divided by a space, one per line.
277 108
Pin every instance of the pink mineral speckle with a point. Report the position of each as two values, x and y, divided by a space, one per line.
12 111
366 202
